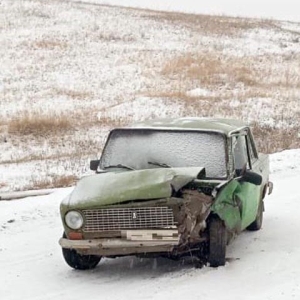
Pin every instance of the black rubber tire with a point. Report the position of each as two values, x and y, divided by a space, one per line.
217 243
257 224
78 261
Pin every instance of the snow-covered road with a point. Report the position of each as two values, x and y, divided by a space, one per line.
261 265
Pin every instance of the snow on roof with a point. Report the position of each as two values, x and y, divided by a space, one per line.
208 124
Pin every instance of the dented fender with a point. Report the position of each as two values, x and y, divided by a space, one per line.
236 203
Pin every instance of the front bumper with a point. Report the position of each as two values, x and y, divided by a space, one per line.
132 242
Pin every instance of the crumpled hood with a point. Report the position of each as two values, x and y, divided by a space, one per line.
117 187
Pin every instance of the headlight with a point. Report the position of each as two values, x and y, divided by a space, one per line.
74 219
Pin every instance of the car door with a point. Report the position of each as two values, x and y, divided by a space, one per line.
248 194
237 202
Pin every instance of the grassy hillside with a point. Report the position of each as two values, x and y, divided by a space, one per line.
71 71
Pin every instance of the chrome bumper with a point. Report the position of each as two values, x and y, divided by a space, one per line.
132 242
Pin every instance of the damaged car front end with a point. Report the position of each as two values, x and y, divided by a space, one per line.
160 191
141 211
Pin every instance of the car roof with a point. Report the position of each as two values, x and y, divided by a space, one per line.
224 126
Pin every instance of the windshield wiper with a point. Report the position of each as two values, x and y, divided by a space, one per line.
155 163
118 166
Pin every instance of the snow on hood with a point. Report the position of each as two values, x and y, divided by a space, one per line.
116 187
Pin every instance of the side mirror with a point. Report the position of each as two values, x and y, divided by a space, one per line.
251 177
94 164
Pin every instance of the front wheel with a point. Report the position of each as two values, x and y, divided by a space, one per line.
217 242
78 261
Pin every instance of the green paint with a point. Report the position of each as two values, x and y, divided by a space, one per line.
118 187
237 204
250 196
226 206
224 126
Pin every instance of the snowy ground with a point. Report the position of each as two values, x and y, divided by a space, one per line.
279 9
99 67
261 265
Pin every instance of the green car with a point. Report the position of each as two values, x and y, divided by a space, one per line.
170 187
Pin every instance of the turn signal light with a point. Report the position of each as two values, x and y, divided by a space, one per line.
75 236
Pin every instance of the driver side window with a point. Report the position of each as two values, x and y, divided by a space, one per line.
240 155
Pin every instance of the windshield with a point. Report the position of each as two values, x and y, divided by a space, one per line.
137 147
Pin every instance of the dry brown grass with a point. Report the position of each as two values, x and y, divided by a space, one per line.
73 94
253 92
113 37
173 94
179 92
36 12
87 118
111 122
288 77
64 180
39 125
211 25
270 139
54 182
192 105
210 69
48 44
2 184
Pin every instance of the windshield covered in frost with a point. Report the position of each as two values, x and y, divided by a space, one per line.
137 147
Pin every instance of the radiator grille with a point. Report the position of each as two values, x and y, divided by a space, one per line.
128 218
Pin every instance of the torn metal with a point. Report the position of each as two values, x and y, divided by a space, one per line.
118 187
192 216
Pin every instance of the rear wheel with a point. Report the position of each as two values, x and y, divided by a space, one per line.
78 261
217 242
256 225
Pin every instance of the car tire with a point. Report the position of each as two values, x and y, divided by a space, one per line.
78 261
257 224
217 243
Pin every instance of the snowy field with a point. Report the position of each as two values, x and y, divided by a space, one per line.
260 265
75 69
72 70
279 9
